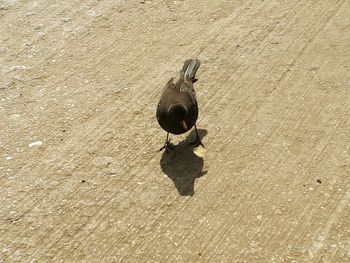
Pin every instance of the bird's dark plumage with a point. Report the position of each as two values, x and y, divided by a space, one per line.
177 110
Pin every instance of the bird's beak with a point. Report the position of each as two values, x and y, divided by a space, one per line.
183 123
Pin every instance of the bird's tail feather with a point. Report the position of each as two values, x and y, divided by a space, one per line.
190 68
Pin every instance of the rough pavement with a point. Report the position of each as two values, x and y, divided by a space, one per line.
81 178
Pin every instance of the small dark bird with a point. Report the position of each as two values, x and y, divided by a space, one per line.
177 110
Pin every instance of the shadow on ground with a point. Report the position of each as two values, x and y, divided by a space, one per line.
182 166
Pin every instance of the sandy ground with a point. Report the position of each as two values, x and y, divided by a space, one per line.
82 179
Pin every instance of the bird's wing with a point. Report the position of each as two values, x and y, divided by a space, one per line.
187 87
169 86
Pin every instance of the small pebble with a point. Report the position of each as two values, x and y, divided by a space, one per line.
37 143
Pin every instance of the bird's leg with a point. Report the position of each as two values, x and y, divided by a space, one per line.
197 141
167 146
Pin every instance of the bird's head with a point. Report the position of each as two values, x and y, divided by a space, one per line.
178 113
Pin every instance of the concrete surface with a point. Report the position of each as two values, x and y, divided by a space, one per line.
81 178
